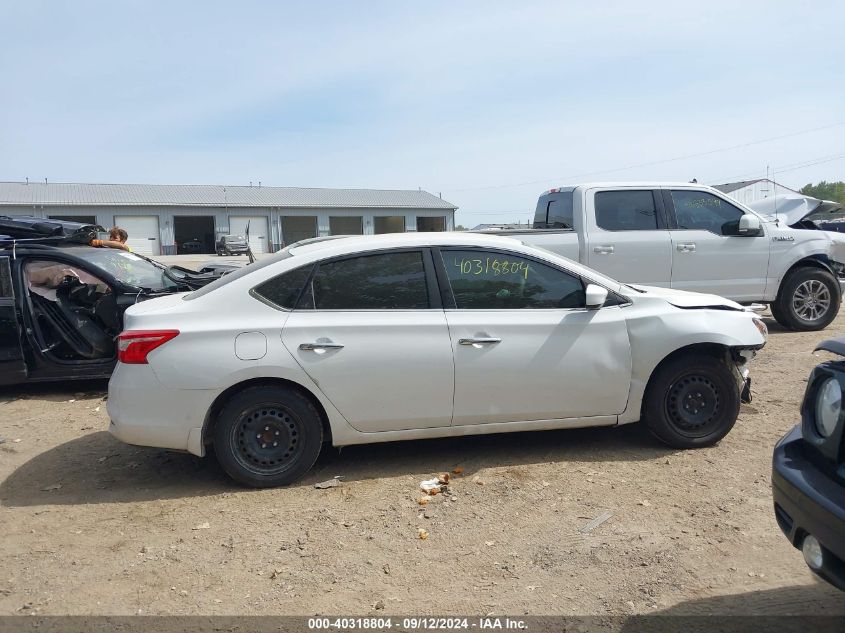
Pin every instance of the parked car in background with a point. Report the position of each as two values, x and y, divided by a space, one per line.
808 472
232 245
191 246
408 336
692 237
62 301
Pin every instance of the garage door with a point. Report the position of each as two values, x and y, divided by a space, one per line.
143 232
258 231
298 227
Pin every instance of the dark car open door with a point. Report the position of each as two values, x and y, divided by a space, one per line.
12 365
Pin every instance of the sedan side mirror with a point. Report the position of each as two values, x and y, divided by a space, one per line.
596 296
750 225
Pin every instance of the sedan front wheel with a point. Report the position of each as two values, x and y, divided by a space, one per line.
268 436
692 401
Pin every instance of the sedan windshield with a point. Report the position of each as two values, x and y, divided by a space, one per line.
130 268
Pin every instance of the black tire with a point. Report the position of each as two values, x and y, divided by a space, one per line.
256 418
777 315
808 300
692 401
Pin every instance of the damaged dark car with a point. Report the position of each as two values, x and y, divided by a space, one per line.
808 472
62 300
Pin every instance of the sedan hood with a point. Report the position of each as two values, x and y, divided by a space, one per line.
689 300
791 208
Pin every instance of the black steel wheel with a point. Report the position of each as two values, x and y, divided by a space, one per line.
692 401
268 436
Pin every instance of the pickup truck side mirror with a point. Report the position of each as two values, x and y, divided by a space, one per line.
750 225
596 296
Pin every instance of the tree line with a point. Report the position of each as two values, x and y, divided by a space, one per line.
826 191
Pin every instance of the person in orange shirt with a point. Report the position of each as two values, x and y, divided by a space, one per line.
117 239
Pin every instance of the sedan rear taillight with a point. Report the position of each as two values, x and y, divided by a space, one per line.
134 345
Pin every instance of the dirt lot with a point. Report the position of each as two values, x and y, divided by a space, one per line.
92 526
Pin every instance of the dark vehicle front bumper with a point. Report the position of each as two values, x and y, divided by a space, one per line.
809 501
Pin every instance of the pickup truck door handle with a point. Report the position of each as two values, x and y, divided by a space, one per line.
686 248
319 347
478 342
603 250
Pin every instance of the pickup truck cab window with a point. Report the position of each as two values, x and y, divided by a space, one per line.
386 281
706 212
495 280
626 210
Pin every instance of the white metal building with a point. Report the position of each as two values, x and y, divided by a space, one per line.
171 219
753 190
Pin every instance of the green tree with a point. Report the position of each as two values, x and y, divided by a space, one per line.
460 227
826 191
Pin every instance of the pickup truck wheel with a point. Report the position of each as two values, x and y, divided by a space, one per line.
692 401
808 300
268 436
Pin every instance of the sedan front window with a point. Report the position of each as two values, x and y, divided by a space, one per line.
495 280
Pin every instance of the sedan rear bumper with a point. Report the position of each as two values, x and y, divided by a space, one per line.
146 413
808 501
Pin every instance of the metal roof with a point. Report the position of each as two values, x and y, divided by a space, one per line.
83 194
733 186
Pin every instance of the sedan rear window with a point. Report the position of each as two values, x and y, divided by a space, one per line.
387 281
284 290
240 272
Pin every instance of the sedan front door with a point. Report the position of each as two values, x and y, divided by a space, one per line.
371 333
525 347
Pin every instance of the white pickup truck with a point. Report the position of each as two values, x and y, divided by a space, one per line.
693 237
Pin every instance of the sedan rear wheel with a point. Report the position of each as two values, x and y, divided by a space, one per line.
692 401
268 436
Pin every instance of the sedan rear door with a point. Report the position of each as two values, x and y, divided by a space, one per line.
371 332
12 365
525 347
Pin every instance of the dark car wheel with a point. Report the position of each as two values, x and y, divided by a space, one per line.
268 436
808 300
692 401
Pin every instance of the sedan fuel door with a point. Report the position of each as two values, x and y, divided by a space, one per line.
12 364
628 235
526 346
371 333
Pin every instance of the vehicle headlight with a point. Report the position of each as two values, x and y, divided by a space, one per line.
828 406
761 327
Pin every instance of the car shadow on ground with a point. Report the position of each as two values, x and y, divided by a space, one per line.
56 392
817 607
97 468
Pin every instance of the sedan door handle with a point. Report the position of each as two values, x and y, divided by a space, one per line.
686 248
603 250
318 347
479 341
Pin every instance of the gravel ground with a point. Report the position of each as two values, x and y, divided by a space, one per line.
93 526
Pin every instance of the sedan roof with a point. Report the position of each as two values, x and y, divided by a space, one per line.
398 240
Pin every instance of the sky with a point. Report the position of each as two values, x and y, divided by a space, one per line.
485 103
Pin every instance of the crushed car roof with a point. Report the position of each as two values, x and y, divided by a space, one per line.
32 229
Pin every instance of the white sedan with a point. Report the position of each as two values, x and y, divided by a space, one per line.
365 339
